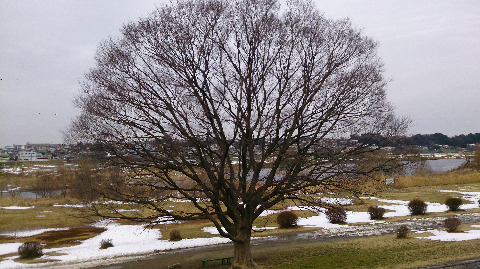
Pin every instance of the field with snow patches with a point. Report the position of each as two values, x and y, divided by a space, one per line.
139 240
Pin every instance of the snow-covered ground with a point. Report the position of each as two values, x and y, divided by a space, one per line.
138 240
127 240
442 235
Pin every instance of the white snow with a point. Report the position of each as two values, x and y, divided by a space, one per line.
472 197
255 228
67 205
127 240
440 235
17 207
317 221
322 221
9 248
290 208
212 230
337 201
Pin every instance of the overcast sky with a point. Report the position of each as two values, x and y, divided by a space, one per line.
431 51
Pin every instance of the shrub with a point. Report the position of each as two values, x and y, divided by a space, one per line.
287 219
376 212
417 207
453 203
30 250
402 231
175 235
336 215
106 243
452 224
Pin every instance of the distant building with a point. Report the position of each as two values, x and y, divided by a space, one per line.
25 155
4 157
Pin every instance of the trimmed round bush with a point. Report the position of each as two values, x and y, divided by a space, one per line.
452 224
175 235
287 219
106 243
402 231
453 203
417 207
336 215
30 250
376 212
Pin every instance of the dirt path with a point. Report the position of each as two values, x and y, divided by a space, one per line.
190 258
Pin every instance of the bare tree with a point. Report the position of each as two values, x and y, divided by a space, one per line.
251 104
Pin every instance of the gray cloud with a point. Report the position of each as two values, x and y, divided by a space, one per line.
431 50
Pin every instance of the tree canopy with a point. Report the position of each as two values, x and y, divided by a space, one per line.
233 106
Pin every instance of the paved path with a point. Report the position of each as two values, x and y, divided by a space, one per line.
190 258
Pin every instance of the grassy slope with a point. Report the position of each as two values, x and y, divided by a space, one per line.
373 252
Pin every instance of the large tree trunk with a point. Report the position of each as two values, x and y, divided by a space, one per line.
242 253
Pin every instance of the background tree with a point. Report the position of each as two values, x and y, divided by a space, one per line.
251 104
476 158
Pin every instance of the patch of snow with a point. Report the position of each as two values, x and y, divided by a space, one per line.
212 230
8 248
255 228
399 208
67 205
446 236
322 221
45 166
472 197
317 221
167 220
17 207
337 201
356 217
290 208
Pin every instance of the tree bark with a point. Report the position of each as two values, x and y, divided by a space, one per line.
242 252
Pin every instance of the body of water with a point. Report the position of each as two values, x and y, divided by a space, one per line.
435 166
444 165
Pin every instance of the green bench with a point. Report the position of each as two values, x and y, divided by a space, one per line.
225 261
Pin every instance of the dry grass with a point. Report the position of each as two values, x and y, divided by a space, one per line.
451 178
43 214
372 252
71 237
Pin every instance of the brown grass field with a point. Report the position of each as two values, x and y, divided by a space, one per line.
371 252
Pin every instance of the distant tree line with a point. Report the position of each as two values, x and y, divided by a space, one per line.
426 140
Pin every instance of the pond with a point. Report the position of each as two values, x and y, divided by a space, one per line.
444 165
27 194
436 166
